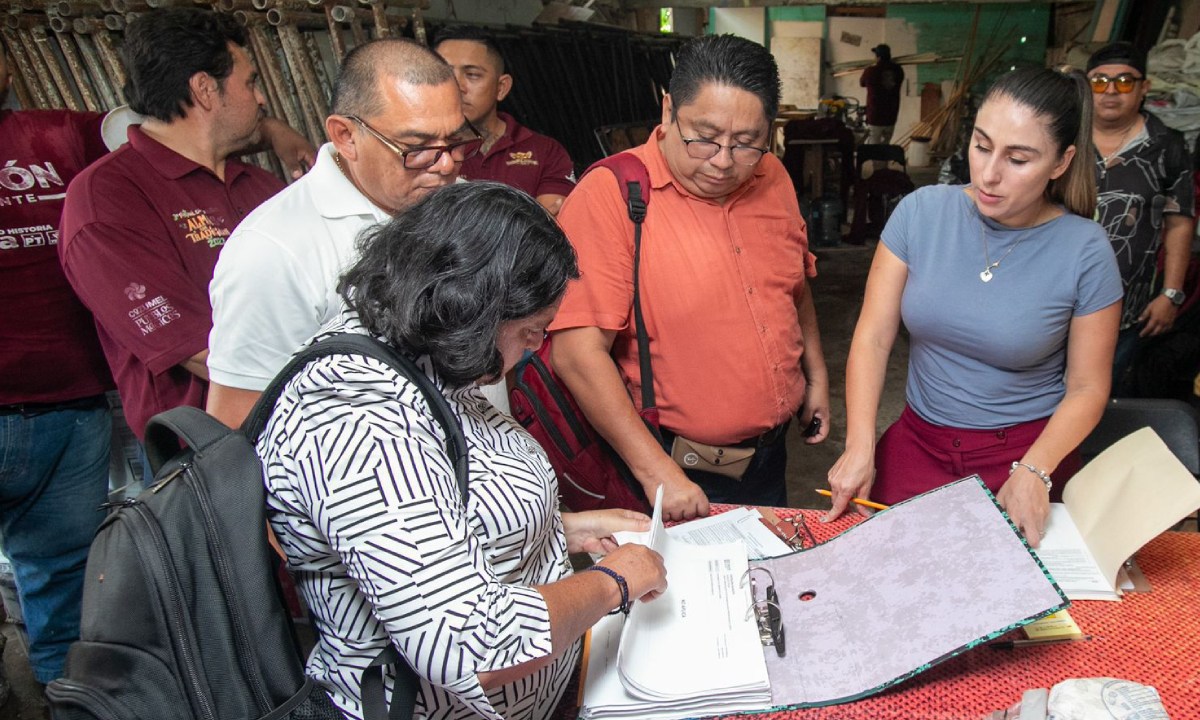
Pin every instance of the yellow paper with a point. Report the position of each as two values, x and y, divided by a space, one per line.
1059 626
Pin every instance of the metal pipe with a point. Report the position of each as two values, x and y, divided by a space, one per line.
59 24
111 62
356 31
246 18
40 90
87 25
306 20
345 13
67 8
303 77
42 42
268 67
335 37
298 5
83 83
115 22
379 14
22 21
95 68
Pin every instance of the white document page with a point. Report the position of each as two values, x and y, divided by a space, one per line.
1066 555
744 524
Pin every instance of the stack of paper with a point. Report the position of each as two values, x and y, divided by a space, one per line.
1122 499
693 650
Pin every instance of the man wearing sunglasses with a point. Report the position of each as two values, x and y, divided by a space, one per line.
1144 181
397 133
723 288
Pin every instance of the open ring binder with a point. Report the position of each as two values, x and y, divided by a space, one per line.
766 612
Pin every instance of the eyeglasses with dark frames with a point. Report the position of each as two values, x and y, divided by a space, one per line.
699 149
1125 83
424 157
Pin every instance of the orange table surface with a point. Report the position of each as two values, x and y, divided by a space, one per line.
1150 638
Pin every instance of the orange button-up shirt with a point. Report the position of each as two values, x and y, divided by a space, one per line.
719 290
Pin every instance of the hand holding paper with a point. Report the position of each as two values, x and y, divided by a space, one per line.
592 531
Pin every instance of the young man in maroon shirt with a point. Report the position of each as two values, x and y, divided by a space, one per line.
143 227
511 154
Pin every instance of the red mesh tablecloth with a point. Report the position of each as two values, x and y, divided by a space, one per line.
1151 638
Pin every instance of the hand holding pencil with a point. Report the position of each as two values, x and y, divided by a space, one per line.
857 501
851 477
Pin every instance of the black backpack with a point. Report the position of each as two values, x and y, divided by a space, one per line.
182 611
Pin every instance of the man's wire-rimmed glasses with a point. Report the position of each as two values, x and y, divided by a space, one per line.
699 149
424 157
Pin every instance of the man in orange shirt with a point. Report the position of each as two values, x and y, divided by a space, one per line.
733 333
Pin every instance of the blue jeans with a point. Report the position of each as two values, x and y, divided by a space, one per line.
53 479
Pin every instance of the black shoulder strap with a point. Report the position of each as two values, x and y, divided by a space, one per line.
359 344
634 181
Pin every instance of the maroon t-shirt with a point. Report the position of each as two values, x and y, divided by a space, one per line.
48 347
525 160
883 81
141 232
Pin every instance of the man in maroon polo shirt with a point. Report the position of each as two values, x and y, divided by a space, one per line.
142 228
511 154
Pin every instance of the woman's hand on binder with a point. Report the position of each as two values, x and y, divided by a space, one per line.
1025 498
592 531
850 477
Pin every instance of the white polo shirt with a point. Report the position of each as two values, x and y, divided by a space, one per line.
275 283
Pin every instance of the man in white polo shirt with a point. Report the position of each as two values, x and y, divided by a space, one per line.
397 132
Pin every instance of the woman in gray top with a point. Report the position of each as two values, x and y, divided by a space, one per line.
1011 296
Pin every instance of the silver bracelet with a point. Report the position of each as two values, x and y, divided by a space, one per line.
1045 476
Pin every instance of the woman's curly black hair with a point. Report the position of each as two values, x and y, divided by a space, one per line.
439 279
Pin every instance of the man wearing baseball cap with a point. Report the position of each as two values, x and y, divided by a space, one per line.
883 81
1144 182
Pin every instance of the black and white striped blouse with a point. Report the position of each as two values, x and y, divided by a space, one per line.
364 501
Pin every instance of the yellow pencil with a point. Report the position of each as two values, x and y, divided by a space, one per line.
858 501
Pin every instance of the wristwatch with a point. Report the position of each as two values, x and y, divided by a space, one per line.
1175 296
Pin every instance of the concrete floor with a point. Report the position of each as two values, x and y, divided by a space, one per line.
838 291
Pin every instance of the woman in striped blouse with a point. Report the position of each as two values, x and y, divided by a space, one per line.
480 599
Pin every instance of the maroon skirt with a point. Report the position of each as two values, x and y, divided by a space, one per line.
915 455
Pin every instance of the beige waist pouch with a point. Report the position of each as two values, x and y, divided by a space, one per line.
728 461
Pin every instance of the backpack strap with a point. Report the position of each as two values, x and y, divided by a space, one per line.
634 180
359 344
194 427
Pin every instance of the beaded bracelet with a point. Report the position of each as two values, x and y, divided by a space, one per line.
624 608
1045 476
